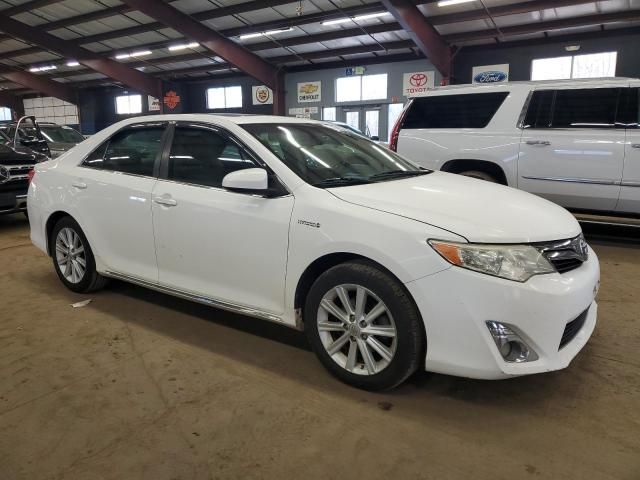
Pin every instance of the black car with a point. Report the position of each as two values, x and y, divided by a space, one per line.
58 138
15 165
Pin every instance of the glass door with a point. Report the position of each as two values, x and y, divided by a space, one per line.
366 119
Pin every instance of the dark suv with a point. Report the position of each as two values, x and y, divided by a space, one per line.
16 161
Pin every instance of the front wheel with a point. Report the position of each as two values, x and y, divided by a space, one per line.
73 259
363 326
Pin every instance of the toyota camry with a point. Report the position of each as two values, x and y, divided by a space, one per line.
386 266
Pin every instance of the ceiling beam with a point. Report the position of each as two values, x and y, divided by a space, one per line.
502 11
212 40
254 47
70 50
308 56
41 84
422 33
539 27
124 8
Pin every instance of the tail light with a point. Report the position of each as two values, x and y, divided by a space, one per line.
395 133
31 174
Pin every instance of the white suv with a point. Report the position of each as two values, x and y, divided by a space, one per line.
575 142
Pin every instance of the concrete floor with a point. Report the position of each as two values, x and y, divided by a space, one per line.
139 385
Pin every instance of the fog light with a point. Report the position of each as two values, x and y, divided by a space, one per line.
511 347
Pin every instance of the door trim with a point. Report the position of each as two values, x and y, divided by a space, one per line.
210 301
589 181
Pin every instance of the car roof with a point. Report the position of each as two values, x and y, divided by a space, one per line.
594 82
237 118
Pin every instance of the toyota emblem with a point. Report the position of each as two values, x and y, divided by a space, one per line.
418 79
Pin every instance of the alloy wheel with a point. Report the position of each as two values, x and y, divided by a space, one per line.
357 329
70 255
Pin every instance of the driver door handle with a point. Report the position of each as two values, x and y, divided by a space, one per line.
635 145
79 185
543 143
167 202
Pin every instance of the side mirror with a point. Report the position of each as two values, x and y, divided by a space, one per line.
375 138
249 180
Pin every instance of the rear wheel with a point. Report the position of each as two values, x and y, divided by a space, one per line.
73 259
363 326
479 174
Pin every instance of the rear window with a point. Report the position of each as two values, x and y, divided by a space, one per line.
473 110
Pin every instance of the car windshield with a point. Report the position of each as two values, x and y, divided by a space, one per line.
331 156
62 134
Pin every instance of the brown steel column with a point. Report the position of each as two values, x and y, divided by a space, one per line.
422 33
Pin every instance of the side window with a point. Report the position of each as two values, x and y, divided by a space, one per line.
629 109
539 110
203 157
473 110
585 108
131 151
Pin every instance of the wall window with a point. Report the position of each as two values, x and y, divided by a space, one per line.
329 114
128 104
578 66
371 120
5 113
51 109
362 87
224 97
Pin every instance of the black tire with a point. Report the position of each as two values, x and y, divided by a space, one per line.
479 174
91 280
410 337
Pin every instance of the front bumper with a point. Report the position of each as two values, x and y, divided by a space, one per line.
455 305
13 202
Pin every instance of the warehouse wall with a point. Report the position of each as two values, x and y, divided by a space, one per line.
328 76
519 55
97 106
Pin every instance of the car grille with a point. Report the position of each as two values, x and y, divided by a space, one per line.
572 329
565 255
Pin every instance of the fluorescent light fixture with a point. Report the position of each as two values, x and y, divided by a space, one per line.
366 16
280 30
336 21
72 63
250 35
446 3
44 68
267 33
139 53
572 48
370 15
184 46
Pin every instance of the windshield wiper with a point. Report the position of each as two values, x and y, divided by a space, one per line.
397 174
341 181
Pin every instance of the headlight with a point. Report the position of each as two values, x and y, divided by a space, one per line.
513 262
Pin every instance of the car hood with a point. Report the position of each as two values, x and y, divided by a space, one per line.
477 210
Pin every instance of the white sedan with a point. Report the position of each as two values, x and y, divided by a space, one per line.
387 267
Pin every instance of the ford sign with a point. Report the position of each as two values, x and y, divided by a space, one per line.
490 77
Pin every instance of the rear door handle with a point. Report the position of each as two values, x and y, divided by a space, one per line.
635 145
543 143
80 185
167 202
